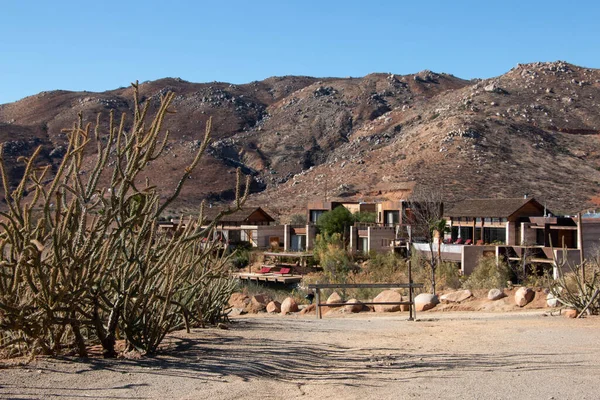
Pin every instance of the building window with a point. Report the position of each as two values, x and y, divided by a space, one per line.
391 217
315 215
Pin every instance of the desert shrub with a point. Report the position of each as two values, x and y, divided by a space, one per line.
277 293
333 258
488 275
81 259
298 219
241 256
578 289
448 276
388 267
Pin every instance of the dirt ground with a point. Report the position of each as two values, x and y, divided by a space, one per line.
447 355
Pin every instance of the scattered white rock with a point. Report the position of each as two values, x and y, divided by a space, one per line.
551 301
426 301
456 297
524 296
334 298
353 306
495 294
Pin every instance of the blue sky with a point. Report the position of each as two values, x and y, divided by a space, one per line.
78 45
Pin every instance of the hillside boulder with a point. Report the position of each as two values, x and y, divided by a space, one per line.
387 296
354 306
495 294
238 300
456 297
524 296
274 307
334 298
259 303
289 305
426 301
309 309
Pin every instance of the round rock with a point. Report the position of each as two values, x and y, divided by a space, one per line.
426 301
524 296
289 305
495 294
387 296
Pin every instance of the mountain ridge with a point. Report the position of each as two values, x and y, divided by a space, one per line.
531 130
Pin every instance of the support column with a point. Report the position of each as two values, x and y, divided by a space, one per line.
509 234
310 236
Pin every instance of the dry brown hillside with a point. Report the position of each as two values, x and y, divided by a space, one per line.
532 130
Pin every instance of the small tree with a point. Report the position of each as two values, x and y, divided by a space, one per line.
332 257
338 220
427 219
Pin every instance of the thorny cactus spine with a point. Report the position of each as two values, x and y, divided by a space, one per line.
81 259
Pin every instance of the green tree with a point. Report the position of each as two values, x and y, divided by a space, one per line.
369 217
338 220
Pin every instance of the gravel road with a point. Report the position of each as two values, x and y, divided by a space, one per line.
444 355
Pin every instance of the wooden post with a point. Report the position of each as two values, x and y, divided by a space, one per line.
318 298
410 293
580 245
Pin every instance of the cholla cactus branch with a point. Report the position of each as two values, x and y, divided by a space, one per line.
78 256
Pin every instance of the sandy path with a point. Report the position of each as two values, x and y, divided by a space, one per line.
447 355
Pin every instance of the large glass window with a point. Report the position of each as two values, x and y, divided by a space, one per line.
494 235
315 215
298 242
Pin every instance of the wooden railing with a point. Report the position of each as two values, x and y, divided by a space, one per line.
317 287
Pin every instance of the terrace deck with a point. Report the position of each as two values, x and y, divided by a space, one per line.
277 278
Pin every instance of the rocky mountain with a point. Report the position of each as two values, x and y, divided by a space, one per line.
533 130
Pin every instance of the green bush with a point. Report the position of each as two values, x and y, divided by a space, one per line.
333 258
488 275
447 273
365 217
388 267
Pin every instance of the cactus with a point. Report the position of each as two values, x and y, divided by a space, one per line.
82 260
